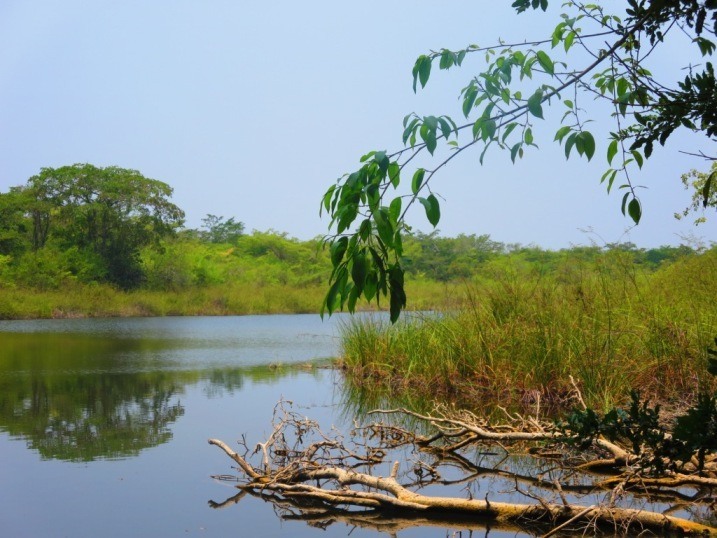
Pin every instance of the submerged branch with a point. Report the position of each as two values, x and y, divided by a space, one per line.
319 479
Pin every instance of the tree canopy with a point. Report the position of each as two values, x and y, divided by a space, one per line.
591 55
109 213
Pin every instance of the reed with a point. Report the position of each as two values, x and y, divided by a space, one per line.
521 333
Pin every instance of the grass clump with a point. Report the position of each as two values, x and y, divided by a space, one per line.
522 331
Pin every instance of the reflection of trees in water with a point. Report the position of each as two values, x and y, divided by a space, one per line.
85 417
79 398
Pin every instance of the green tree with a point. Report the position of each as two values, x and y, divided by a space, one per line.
520 83
703 194
111 212
219 230
14 225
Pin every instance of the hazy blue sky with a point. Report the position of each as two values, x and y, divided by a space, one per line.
252 109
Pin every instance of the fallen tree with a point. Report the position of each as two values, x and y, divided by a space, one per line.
321 478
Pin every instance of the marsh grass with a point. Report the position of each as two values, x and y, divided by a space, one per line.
521 333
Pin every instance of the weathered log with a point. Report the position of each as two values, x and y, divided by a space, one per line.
386 493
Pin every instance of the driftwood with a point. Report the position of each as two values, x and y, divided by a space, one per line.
323 479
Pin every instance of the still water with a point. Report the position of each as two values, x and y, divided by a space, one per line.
104 423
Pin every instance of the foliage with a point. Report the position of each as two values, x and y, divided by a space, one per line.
530 320
107 213
219 230
503 104
694 432
703 193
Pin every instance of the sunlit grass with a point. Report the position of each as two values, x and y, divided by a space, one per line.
520 336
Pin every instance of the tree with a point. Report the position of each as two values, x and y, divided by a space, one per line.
521 82
703 195
220 231
111 212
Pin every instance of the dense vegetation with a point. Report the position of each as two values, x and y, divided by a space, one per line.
614 319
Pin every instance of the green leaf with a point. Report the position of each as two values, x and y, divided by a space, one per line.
569 143
569 39
562 132
588 144
534 104
469 100
359 270
394 210
634 210
611 151
424 71
528 136
545 62
445 128
370 286
337 250
446 60
508 129
622 86
417 180
409 129
384 227
433 210
489 128
394 173
514 151
365 229
327 198
429 137
638 157
398 294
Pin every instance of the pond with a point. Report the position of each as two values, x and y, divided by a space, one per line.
104 423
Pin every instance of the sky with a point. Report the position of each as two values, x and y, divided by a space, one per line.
253 109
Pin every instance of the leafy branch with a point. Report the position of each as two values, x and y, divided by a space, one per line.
500 104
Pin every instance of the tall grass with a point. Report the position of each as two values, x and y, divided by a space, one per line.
521 333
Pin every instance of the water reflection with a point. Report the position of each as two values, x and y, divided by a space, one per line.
82 397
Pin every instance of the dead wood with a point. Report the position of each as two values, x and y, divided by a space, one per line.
329 478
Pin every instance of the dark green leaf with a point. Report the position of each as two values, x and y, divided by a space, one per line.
398 294
433 210
489 128
424 71
359 270
638 157
634 210
409 129
534 104
383 226
514 151
445 128
337 250
588 144
394 174
469 100
569 143
417 180
611 151
327 198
